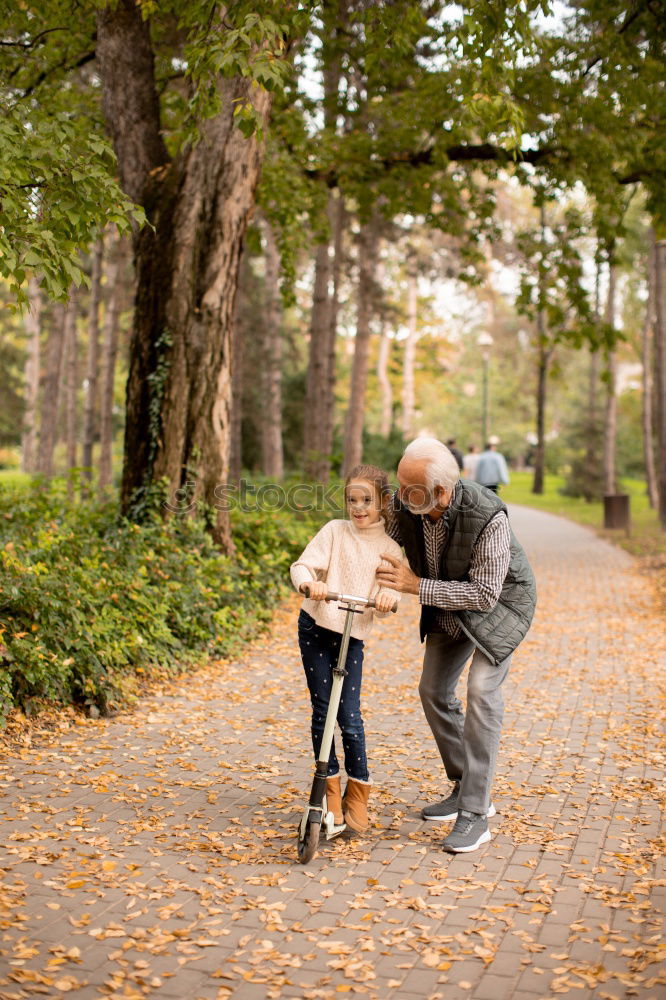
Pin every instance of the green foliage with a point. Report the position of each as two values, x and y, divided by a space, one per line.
293 415
293 204
57 188
385 452
242 40
90 603
593 98
584 449
12 377
416 80
551 279
10 461
584 476
495 39
58 182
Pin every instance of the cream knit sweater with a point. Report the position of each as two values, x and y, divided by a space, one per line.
346 558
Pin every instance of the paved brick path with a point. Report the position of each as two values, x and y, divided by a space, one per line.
154 854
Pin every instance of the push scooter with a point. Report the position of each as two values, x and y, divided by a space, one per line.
316 812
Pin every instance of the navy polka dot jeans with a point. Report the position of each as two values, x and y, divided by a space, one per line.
319 650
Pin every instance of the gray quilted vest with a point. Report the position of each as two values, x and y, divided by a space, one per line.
496 632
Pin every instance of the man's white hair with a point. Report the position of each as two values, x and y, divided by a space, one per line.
441 468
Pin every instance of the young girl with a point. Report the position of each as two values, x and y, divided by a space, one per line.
343 557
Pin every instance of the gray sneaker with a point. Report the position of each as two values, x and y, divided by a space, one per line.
447 809
439 812
470 831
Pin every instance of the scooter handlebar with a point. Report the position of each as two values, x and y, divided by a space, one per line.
349 599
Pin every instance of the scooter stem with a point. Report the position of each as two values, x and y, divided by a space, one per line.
339 674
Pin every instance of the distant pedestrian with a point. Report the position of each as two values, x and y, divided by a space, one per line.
470 462
456 452
491 470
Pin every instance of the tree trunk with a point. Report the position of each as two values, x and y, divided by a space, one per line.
317 373
320 379
90 404
592 469
592 444
337 216
367 250
237 344
545 355
410 350
115 262
33 329
610 414
51 389
177 427
272 455
71 386
385 387
647 340
660 370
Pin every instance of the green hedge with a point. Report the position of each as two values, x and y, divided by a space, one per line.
90 602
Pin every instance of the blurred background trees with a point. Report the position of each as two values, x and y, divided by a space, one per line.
269 237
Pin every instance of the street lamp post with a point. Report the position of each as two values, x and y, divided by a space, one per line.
485 342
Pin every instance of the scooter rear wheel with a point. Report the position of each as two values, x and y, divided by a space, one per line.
309 842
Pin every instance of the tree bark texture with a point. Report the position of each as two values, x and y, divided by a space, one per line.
179 386
610 411
90 408
592 443
367 253
647 357
320 378
272 456
385 387
337 218
71 386
545 355
237 341
51 390
314 453
33 329
115 260
410 349
660 372
592 457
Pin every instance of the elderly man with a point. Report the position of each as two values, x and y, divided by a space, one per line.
477 595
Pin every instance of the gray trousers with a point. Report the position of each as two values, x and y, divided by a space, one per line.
468 744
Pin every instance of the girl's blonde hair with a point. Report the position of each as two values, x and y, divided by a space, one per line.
379 479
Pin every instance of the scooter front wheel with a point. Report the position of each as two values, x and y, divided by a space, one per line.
309 841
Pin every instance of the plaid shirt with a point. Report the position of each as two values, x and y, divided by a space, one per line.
487 570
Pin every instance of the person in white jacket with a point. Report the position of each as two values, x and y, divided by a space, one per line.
343 557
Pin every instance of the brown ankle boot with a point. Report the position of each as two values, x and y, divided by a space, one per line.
355 805
334 799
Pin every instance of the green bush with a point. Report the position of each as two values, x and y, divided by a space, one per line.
90 602
10 458
385 452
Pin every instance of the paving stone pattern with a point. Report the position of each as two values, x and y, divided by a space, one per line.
153 854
